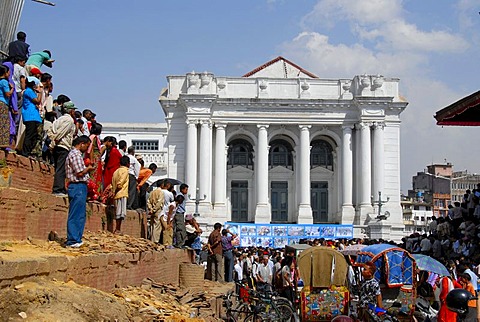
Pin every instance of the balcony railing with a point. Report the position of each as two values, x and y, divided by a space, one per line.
154 157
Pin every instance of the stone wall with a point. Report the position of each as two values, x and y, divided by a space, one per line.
104 271
28 209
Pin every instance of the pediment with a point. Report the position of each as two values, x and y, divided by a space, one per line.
280 170
240 170
321 171
280 68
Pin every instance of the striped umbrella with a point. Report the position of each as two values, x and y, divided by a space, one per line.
429 264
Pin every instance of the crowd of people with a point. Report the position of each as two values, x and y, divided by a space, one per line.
454 241
268 268
36 125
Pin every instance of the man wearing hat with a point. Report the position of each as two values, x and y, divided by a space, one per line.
61 134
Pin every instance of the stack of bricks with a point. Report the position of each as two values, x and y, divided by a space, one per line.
28 208
104 271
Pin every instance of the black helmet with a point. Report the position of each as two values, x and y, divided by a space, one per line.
457 300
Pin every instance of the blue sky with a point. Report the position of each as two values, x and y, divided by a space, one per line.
114 56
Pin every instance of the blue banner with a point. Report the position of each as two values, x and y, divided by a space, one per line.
280 235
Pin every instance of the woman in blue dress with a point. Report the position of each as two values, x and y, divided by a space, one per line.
6 90
31 116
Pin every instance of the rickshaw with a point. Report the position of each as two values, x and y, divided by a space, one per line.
325 294
396 274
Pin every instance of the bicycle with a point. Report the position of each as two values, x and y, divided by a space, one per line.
236 313
269 307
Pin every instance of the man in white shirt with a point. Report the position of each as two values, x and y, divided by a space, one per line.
425 245
61 135
166 215
264 275
133 173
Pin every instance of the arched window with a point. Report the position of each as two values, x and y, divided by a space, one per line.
240 153
321 155
280 155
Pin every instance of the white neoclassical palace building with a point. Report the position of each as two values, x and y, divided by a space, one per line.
280 144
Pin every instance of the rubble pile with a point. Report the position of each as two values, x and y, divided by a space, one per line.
102 242
159 301
42 300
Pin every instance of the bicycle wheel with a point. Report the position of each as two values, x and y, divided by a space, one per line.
252 317
241 311
282 312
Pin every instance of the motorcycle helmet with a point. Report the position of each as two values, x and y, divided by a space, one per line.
457 300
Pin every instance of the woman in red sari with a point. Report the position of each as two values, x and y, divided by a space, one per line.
112 160
93 156
446 285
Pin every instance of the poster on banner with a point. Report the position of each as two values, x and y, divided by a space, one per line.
280 235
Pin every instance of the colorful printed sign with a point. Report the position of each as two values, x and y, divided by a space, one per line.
280 235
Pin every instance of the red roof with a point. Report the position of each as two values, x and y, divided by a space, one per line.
465 112
276 60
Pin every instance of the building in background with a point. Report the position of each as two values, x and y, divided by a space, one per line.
282 145
417 214
147 138
434 186
461 181
10 13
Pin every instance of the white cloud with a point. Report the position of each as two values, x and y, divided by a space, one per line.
466 10
329 12
400 35
383 21
313 51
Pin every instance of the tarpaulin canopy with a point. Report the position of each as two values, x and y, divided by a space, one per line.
395 266
321 266
464 112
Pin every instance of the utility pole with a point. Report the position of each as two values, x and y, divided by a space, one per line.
379 203
197 201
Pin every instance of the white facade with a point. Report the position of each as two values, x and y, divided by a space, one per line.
417 216
149 140
281 145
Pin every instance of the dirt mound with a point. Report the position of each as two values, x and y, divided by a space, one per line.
56 301
42 300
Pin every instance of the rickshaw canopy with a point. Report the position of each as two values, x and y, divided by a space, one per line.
321 266
395 266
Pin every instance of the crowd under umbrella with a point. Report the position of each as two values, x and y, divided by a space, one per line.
429 264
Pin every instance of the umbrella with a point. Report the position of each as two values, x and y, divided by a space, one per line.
174 182
352 250
429 264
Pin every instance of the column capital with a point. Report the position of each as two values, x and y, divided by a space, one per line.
262 126
304 127
220 125
348 127
362 125
191 122
206 123
378 125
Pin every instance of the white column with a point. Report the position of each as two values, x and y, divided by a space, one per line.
378 159
305 208
191 158
366 171
220 172
205 161
262 211
348 212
